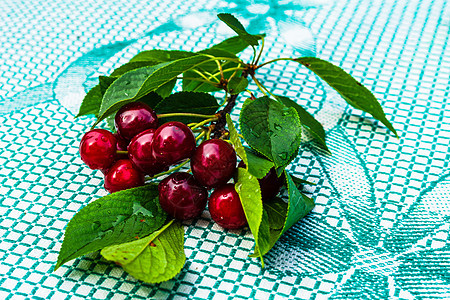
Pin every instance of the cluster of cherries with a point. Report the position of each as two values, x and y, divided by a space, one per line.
141 147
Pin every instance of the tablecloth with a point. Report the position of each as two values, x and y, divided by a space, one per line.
380 228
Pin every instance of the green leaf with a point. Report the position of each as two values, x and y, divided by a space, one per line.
187 102
113 219
299 181
299 204
237 85
257 166
166 89
161 55
247 186
281 215
133 66
276 209
234 44
351 90
153 259
93 99
138 83
307 120
151 99
234 24
234 138
272 129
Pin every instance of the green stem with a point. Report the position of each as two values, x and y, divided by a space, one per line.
274 60
121 152
223 58
185 115
226 99
200 135
230 69
234 73
220 69
204 77
210 75
204 122
259 85
260 50
167 172
254 55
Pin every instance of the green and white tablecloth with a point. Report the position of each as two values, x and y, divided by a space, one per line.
380 228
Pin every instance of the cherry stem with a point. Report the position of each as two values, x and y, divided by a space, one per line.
259 85
200 135
274 60
260 50
211 76
121 152
167 172
204 122
186 115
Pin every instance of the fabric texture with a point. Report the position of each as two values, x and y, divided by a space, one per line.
380 228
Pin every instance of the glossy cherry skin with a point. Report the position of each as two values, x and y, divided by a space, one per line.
123 175
213 163
134 118
181 196
270 184
140 153
173 142
122 145
226 208
98 149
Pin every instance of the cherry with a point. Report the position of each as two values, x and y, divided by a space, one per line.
123 175
270 184
140 153
98 149
213 162
181 196
173 142
134 118
122 145
226 208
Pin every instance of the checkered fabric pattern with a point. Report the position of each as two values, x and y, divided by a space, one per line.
380 228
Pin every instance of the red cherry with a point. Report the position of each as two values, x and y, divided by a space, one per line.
134 118
122 145
181 196
173 142
98 149
226 208
271 184
123 175
140 153
213 162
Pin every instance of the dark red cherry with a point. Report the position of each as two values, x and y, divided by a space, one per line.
98 149
226 208
123 175
134 118
173 142
270 184
181 196
122 145
213 162
140 153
